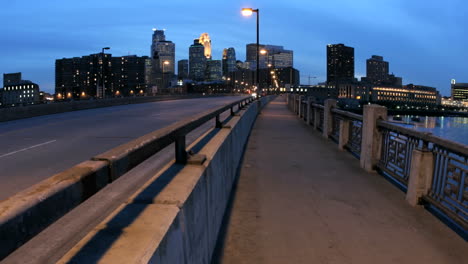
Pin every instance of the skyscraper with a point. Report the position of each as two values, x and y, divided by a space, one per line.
206 42
229 61
183 69
197 61
163 55
340 63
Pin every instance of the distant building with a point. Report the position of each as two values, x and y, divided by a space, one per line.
229 61
197 61
128 75
459 91
183 69
83 77
377 73
163 55
18 92
275 56
412 95
340 63
214 70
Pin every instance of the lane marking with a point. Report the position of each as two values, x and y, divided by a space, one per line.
35 146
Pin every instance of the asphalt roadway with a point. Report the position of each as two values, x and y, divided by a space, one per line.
36 148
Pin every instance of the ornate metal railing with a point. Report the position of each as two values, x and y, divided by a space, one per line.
335 131
449 187
354 132
397 148
321 117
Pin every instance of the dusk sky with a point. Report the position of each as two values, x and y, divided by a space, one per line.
424 41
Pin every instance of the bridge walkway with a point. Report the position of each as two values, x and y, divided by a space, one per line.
299 199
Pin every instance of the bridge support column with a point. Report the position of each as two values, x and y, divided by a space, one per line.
420 178
328 117
371 142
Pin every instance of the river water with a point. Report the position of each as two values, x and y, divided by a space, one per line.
452 128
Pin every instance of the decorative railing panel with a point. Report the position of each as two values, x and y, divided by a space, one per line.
355 137
312 115
449 191
397 149
335 131
321 119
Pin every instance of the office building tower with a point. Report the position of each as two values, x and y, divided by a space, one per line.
459 91
340 63
163 55
183 69
206 42
229 61
197 61
214 70
99 76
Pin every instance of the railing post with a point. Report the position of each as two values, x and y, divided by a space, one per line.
371 145
219 124
344 133
328 117
421 173
232 111
180 153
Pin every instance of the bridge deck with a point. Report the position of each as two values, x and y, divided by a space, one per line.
301 200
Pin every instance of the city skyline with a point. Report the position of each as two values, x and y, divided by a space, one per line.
426 48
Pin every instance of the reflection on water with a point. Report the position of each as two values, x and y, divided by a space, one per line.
452 128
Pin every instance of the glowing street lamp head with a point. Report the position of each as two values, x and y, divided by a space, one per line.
166 62
247 11
263 52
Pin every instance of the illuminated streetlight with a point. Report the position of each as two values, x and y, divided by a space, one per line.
249 12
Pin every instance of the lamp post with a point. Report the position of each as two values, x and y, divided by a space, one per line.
164 64
102 71
248 12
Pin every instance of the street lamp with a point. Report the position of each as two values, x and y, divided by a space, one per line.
102 71
249 12
164 64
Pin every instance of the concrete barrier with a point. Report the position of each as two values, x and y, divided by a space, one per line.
13 113
25 214
176 216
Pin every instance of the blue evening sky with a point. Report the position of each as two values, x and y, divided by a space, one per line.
424 40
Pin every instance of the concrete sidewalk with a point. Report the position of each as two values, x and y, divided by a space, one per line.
301 200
